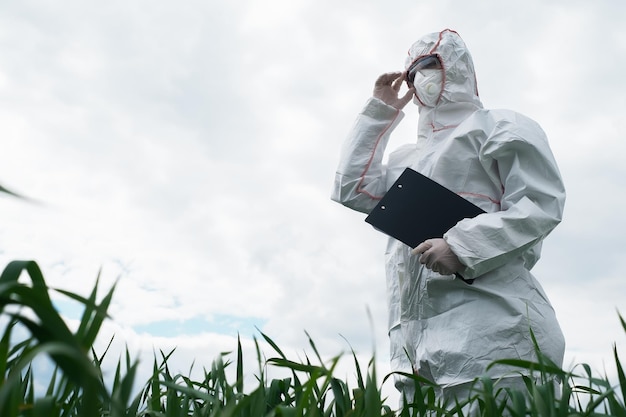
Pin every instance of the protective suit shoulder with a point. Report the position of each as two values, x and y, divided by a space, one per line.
508 125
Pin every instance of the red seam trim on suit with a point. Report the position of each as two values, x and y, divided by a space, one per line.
369 162
441 37
442 128
483 196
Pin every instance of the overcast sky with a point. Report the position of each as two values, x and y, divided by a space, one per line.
187 149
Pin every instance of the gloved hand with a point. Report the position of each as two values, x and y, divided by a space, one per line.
437 256
387 88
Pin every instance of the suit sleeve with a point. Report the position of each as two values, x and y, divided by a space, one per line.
531 205
360 178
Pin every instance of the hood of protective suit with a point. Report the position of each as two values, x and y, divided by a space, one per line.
459 78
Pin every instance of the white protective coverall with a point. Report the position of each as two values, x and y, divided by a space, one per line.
499 160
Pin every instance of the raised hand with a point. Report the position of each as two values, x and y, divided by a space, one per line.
387 89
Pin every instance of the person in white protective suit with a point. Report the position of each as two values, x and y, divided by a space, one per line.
441 327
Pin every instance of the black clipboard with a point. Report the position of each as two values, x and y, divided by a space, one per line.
417 208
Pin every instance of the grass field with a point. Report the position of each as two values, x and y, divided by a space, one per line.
77 387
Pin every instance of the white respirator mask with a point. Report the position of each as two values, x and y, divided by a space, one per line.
428 86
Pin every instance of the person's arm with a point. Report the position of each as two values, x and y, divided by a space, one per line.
531 205
360 177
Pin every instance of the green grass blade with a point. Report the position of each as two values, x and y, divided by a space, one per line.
239 369
296 366
273 345
4 350
155 389
620 373
72 361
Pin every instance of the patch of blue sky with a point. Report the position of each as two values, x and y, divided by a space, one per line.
68 308
218 323
221 324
